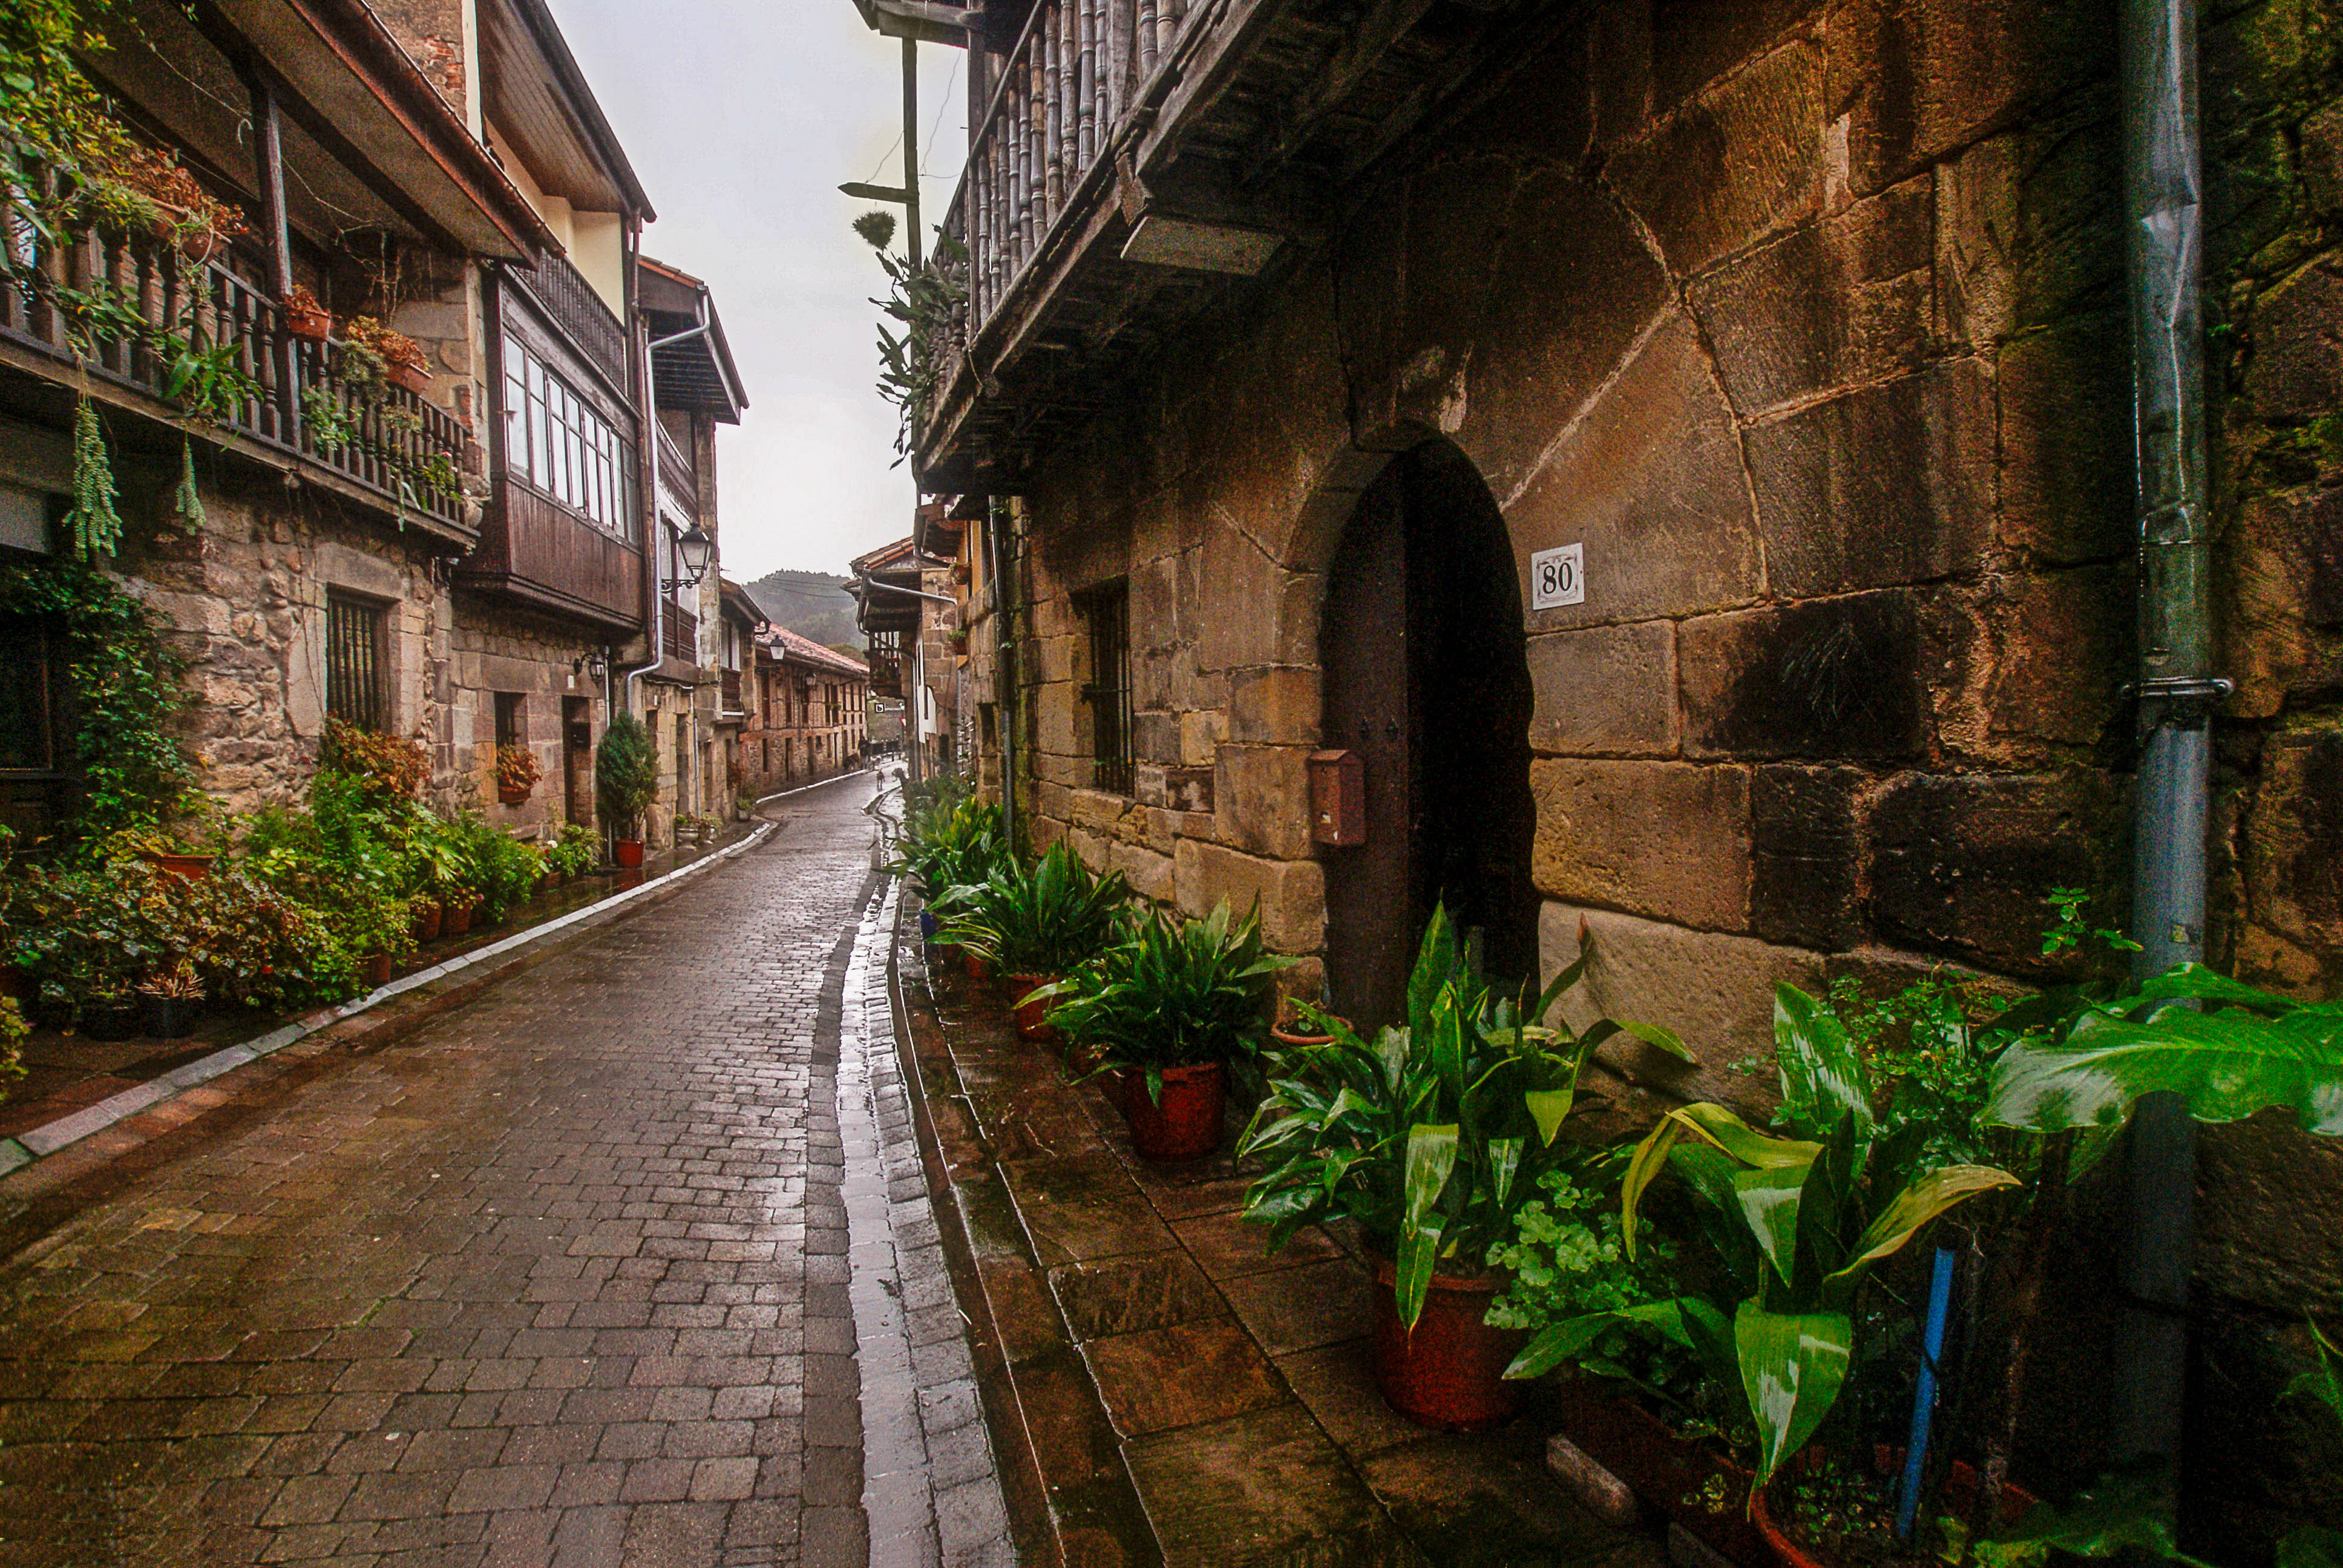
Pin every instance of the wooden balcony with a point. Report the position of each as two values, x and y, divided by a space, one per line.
393 449
569 302
679 480
534 549
1136 158
732 688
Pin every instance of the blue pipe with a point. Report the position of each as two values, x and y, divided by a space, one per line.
1924 1397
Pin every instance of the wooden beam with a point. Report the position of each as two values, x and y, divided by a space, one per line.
268 172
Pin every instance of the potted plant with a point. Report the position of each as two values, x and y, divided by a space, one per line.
109 1012
179 210
1037 923
517 774
1166 1009
305 317
1430 1138
456 906
426 919
625 778
170 1000
404 363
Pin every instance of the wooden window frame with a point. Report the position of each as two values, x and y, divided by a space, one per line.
1106 613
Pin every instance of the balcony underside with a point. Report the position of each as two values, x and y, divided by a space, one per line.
536 553
1264 116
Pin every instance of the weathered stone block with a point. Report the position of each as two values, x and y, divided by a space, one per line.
2282 571
2066 428
1292 893
1148 873
1263 792
2297 369
1651 481
1056 717
1844 677
1961 864
2270 1227
1155 738
1278 707
2066 652
1891 484
2027 229
1607 691
1200 733
2295 840
1174 789
1806 882
1659 838
1830 306
1715 992
1738 163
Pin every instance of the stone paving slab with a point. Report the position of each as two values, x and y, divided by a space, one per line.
567 1278
1163 1390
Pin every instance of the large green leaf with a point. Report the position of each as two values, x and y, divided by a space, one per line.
1793 1365
1715 1125
1419 1250
2323 1383
1768 1196
2127 1510
1823 1077
2227 1065
1549 1108
1431 1157
2195 982
1926 1197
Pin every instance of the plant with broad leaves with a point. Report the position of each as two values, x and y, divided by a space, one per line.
1039 919
1798 1222
951 845
1173 994
1433 1136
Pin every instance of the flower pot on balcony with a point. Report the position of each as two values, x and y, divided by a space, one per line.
312 326
408 377
1448 1373
628 853
509 796
1185 1124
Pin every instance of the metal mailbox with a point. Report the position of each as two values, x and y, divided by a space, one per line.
1338 798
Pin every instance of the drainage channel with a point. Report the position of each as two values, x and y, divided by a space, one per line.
930 1490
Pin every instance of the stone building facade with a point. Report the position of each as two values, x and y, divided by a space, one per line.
811 713
1796 329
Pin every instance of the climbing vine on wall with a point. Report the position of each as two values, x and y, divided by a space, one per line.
125 686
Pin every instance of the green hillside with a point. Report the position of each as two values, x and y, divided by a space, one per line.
811 604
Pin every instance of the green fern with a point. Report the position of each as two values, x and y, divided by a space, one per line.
186 500
93 524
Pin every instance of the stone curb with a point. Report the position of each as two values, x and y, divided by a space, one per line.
39 1142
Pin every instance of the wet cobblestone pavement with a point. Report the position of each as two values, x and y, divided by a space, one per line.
627 1261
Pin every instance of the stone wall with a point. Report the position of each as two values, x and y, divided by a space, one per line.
497 649
1807 321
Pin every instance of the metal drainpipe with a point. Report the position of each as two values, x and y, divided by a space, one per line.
1004 697
2163 172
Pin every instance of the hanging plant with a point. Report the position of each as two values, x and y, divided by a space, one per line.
93 524
930 300
187 501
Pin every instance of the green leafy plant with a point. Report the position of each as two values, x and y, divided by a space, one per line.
573 853
1573 1287
1433 1136
1045 918
91 522
625 774
390 766
950 845
929 300
1173 994
1799 1223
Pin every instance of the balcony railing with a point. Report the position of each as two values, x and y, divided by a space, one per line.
679 635
731 683
389 442
574 307
678 477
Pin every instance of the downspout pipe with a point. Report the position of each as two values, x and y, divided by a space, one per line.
2176 689
1004 695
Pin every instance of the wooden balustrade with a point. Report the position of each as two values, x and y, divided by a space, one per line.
399 446
573 306
1080 69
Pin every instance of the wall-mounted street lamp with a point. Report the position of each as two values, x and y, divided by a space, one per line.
698 550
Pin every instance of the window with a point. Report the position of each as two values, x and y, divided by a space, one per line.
1107 612
353 663
554 440
511 727
32 697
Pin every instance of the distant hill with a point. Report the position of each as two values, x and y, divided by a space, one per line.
812 604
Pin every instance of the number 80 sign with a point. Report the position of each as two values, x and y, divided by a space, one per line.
1558 578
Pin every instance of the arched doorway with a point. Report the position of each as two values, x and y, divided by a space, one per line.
1426 677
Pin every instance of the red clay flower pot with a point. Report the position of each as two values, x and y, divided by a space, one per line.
1448 1372
974 963
408 377
375 971
315 325
458 921
428 921
1030 1017
1960 1490
186 867
628 852
1671 1473
1186 1124
509 796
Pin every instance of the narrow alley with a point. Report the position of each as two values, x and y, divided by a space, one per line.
627 1261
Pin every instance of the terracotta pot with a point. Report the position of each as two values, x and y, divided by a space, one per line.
315 326
170 1017
628 853
374 971
458 921
509 796
428 921
974 963
409 377
1186 1123
186 867
1960 1490
1030 1016
1670 1473
1448 1372
110 1020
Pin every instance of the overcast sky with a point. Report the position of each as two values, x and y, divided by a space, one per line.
741 117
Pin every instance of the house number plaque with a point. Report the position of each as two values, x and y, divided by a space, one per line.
1558 576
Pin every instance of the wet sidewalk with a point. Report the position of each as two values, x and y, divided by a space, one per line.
1161 1389
626 1262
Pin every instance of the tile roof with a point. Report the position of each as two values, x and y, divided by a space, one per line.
789 646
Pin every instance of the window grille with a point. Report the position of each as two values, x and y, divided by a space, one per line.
353 663
1108 612
509 730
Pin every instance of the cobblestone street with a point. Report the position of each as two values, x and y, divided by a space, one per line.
627 1261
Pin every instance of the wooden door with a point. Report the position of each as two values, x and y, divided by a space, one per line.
577 761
